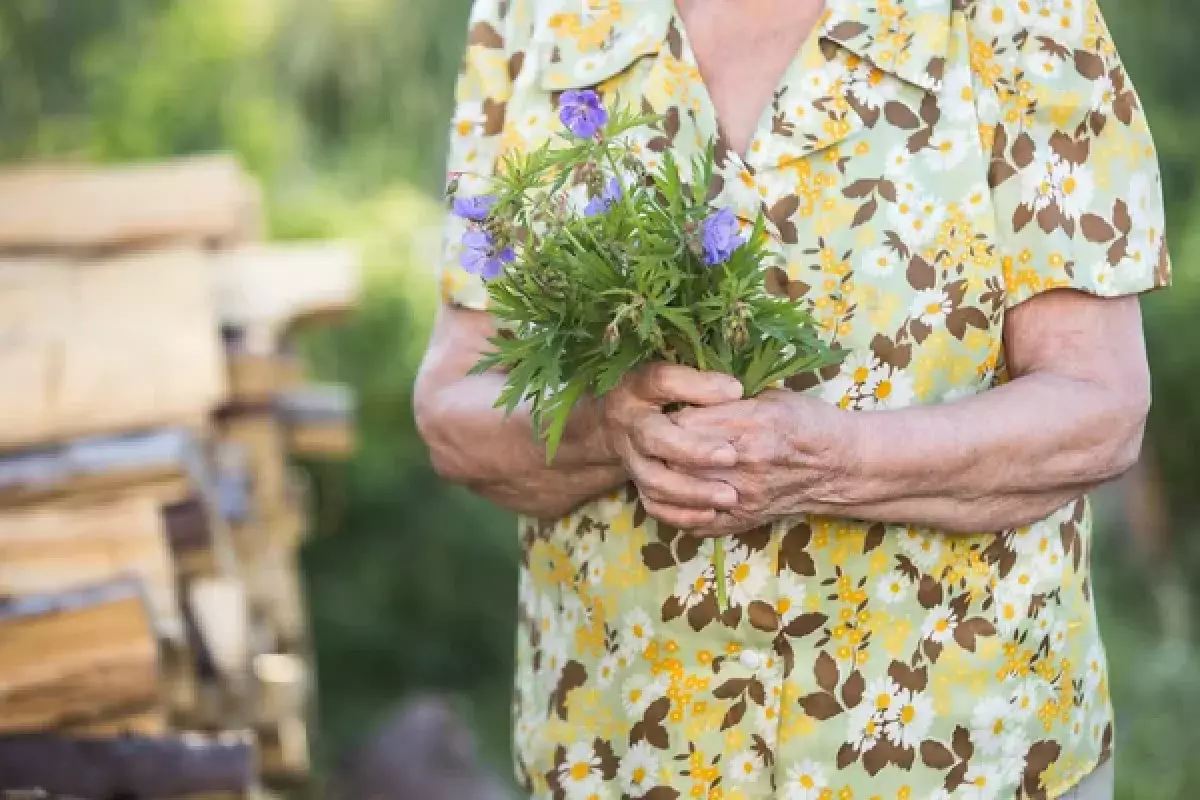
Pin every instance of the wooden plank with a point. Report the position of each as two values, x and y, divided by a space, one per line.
256 378
265 289
319 420
260 438
46 550
282 686
107 346
219 607
165 458
208 199
181 766
145 723
76 657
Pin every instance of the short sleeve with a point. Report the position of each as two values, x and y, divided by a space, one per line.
481 100
1073 170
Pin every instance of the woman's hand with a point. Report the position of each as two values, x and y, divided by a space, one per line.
793 455
668 462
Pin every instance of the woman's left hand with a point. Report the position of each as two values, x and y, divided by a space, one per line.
794 456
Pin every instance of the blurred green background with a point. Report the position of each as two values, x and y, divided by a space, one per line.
340 108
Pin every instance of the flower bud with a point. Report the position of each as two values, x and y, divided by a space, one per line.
612 338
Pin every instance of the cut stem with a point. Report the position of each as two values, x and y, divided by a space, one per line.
719 566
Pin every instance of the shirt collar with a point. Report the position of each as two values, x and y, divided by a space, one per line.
908 38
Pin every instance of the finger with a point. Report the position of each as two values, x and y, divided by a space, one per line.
683 518
671 383
731 416
655 435
659 483
723 525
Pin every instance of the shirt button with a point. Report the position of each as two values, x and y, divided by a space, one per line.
750 659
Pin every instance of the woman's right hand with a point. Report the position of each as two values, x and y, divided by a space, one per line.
651 445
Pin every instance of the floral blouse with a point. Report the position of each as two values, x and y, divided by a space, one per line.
925 166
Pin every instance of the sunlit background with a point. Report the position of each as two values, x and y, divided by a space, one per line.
338 108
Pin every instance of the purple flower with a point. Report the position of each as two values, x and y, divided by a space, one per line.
480 257
598 205
475 209
581 112
719 237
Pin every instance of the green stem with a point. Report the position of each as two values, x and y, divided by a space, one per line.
719 566
718 544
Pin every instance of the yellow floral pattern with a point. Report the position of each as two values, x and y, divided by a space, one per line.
925 166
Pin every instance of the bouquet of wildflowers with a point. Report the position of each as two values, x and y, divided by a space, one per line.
595 265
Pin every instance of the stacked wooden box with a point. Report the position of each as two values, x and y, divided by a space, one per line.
152 634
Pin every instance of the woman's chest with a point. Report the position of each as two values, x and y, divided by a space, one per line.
874 186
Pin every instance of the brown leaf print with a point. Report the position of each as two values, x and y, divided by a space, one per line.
1089 65
792 553
484 35
865 213
1041 756
921 274
820 705
734 715
650 728
895 356
1096 229
936 755
661 793
805 624
847 30
861 188
847 754
778 284
958 320
852 689
961 743
515 62
967 630
826 672
704 612
915 680
762 616
1023 151
657 556
1121 217
734 687
901 116
573 676
874 537
781 214
608 760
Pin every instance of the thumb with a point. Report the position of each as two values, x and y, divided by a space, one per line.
662 384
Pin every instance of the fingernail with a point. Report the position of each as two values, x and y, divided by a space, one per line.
732 389
725 496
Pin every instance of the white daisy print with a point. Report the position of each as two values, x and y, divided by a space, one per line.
745 767
747 572
899 160
939 625
892 588
982 782
804 781
639 769
595 571
958 94
923 548
889 388
694 580
947 150
606 670
991 723
865 726
639 692
637 631
909 719
931 306
792 594
879 262
579 775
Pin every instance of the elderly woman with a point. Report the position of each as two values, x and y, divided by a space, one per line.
966 194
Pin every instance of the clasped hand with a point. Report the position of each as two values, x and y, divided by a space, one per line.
722 464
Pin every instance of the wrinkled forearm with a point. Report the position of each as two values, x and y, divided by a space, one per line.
992 462
498 457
